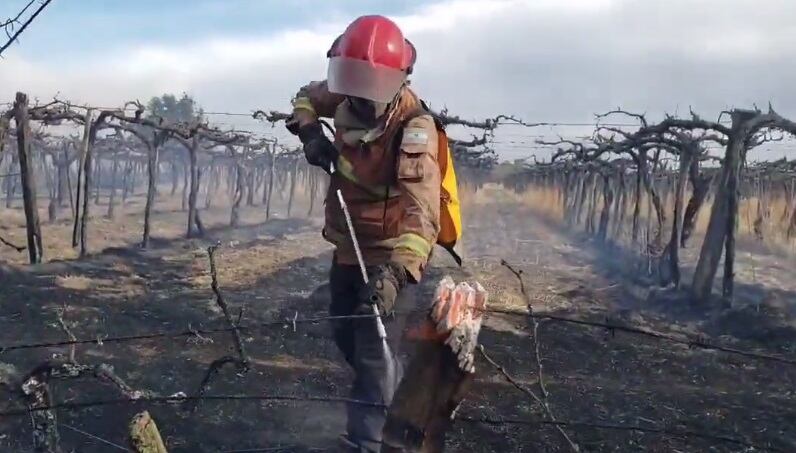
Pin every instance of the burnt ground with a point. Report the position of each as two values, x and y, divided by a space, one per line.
276 269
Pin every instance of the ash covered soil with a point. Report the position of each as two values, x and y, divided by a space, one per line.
278 269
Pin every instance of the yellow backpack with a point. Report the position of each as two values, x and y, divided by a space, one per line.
450 215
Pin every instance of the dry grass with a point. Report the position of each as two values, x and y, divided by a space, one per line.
546 202
288 362
74 282
243 267
125 229
124 287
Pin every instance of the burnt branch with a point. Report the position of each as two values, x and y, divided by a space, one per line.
11 22
476 141
535 325
12 37
212 371
642 119
242 361
693 124
18 248
511 380
272 117
60 316
243 358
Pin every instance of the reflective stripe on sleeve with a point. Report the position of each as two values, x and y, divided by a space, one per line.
346 170
415 243
303 103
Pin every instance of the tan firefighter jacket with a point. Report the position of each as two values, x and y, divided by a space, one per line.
389 179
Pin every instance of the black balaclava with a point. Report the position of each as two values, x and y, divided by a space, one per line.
366 110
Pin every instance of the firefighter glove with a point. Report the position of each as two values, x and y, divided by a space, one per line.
292 125
318 149
384 283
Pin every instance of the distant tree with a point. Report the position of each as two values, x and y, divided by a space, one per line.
173 109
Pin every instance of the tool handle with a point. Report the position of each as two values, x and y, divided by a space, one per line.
379 324
354 241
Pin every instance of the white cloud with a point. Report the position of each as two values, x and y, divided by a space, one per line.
540 59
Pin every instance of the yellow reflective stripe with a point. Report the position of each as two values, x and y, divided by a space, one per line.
346 170
303 103
415 243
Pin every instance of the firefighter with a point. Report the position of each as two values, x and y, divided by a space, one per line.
384 155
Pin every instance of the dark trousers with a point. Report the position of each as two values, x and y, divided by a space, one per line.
377 374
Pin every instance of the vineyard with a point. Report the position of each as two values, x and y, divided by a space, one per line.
641 284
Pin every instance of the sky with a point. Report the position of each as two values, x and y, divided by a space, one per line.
541 60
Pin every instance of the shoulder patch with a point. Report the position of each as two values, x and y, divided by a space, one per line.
415 136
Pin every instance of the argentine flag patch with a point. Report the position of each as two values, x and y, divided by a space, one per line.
415 136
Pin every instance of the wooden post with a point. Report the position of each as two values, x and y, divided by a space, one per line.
605 215
62 164
98 174
11 181
194 190
621 207
80 175
210 185
145 436
312 183
112 195
270 183
762 214
592 211
572 196
237 197
264 178
677 227
175 179
239 187
35 249
580 197
152 164
792 223
125 181
642 157
250 188
50 175
197 217
69 188
87 157
439 374
185 178
293 176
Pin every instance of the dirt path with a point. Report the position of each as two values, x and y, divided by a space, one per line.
279 269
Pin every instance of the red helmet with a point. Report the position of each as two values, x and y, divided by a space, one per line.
370 60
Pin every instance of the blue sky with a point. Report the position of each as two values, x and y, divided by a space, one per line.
81 26
541 60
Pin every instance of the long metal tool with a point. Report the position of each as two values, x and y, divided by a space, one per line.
382 331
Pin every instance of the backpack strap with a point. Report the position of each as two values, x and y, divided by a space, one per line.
418 112
421 110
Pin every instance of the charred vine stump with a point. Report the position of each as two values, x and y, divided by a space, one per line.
439 374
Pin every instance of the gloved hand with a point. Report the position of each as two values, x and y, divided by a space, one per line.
303 113
318 149
292 124
384 283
